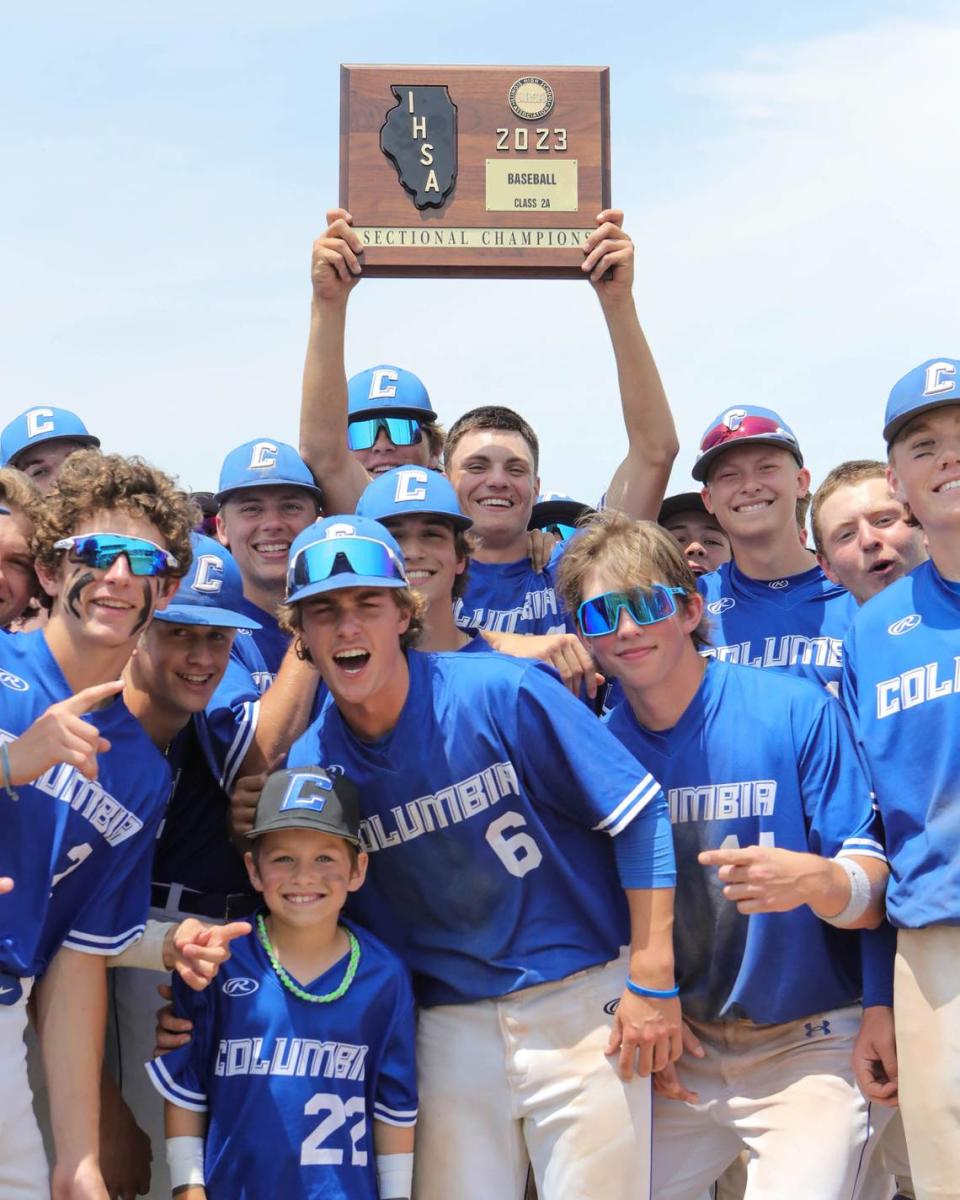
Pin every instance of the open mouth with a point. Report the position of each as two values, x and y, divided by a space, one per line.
418 575
698 568
303 898
352 662
196 681
881 566
113 605
495 502
950 486
272 549
753 506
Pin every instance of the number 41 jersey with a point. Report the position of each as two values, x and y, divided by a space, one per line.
291 1088
489 812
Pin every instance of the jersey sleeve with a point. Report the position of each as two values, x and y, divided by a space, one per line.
395 1101
227 726
837 799
574 764
878 949
115 916
180 1075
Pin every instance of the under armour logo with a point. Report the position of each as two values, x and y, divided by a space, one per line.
810 1028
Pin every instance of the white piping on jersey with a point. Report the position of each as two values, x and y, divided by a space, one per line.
394 1116
246 728
861 847
177 1094
95 943
616 821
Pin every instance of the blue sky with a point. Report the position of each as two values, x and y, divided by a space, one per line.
789 174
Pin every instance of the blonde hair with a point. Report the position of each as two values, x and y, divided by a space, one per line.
634 553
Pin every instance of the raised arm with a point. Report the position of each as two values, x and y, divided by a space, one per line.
640 481
335 271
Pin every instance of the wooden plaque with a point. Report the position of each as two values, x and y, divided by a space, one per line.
463 171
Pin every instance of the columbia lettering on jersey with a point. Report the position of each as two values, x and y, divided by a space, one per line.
79 850
796 624
512 598
484 811
292 1088
762 759
900 686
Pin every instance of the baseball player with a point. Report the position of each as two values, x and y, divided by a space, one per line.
865 538
19 509
299 1079
900 687
558 515
771 605
266 496
769 990
40 439
489 801
697 532
83 791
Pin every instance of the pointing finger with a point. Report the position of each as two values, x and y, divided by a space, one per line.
88 698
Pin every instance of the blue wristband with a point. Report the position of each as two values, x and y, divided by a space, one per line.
653 993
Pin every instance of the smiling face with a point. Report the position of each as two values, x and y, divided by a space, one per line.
753 490
42 462
924 469
305 875
18 581
258 524
493 473
866 541
109 607
699 536
180 666
429 550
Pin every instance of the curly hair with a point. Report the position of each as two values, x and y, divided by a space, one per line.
407 600
89 482
20 492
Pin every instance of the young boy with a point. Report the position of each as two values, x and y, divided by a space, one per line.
785 813
514 849
900 685
82 798
299 1079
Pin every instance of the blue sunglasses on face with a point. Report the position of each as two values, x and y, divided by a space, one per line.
101 551
402 431
645 606
343 556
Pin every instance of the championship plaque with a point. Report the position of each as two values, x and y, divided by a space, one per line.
459 171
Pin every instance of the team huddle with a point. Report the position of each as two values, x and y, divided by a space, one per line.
481 845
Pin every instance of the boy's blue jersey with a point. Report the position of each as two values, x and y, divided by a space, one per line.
292 1088
79 850
758 758
795 624
261 650
485 812
901 687
513 598
228 724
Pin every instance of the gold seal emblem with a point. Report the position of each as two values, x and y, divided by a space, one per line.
531 98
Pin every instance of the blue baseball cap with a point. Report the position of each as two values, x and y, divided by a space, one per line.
38 425
554 508
211 593
390 390
405 491
934 383
261 463
744 425
343 552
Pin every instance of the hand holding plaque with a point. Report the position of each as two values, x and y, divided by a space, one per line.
474 170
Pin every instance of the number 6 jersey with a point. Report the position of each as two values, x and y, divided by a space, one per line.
489 812
291 1088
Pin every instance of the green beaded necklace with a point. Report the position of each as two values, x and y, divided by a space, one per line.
288 982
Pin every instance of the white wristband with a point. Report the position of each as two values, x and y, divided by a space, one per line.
185 1160
859 894
394 1176
147 951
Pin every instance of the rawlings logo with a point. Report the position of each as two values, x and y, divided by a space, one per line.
240 986
724 604
904 625
778 584
13 682
611 1006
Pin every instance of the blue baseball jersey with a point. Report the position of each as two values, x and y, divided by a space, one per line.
901 687
79 850
489 813
270 640
291 1088
758 758
796 624
227 725
513 598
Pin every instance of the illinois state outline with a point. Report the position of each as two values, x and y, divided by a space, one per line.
430 102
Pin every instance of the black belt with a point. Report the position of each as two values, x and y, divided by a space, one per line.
219 906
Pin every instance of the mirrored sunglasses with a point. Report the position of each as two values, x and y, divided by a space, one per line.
402 431
748 427
101 551
645 606
344 556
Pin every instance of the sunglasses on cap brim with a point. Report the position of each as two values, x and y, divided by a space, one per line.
362 556
101 551
644 605
748 427
402 431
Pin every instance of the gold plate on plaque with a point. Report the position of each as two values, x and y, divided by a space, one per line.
518 185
